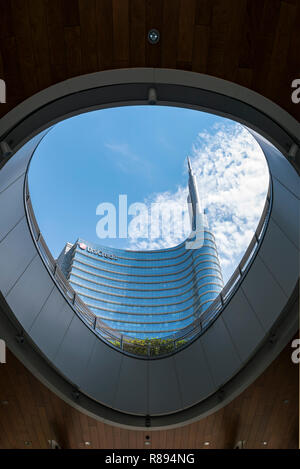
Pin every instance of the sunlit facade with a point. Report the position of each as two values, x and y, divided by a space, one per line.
146 294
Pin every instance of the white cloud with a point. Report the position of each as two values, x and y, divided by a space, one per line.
126 159
233 181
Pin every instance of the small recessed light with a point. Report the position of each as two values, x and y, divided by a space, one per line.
147 443
87 443
206 443
153 36
264 443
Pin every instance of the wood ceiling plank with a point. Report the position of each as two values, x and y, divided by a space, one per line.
22 434
73 50
59 421
40 44
104 24
1 65
86 435
56 40
6 21
116 437
94 438
170 439
210 431
25 54
45 423
27 410
36 425
6 423
186 23
68 430
88 27
203 13
233 38
251 31
124 438
189 433
70 13
264 39
293 59
11 70
201 48
77 430
132 442
120 33
244 77
220 22
105 433
280 50
169 39
137 34
154 11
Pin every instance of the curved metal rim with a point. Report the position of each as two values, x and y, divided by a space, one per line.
276 117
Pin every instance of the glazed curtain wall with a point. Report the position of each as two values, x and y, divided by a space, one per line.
146 294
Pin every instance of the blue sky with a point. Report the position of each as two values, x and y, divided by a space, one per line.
141 151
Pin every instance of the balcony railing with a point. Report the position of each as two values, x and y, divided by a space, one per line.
149 348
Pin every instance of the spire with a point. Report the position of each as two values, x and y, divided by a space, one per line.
194 201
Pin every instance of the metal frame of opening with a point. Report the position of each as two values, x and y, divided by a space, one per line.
72 372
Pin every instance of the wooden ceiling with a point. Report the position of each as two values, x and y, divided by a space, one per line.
266 411
254 43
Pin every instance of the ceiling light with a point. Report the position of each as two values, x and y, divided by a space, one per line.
206 443
264 443
153 36
87 443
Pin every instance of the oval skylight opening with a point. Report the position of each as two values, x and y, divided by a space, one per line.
138 155
149 211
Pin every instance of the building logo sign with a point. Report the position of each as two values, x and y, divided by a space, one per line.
96 252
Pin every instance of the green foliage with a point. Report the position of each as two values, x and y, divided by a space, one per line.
149 347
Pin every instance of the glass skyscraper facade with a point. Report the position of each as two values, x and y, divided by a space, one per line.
146 294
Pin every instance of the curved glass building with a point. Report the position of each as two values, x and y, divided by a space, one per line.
148 294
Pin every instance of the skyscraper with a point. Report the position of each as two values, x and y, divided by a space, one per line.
147 294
